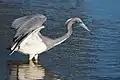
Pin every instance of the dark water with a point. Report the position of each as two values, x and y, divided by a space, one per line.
81 57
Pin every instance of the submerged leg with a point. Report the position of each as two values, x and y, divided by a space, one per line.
31 63
31 56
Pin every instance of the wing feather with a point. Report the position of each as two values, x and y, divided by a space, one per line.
17 23
33 22
25 26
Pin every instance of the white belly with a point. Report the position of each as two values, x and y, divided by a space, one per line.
33 44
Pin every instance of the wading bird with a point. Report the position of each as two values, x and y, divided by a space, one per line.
29 40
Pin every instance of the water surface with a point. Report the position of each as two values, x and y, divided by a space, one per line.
82 56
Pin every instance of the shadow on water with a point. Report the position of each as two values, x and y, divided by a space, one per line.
21 70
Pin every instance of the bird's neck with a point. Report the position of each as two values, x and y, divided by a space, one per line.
69 27
66 36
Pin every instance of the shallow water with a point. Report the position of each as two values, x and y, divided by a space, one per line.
81 57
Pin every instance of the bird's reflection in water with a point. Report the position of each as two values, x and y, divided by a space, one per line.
29 71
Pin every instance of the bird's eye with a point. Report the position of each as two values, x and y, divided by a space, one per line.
78 22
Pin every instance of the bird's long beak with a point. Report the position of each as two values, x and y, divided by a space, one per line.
85 27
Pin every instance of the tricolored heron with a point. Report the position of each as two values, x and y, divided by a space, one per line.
29 40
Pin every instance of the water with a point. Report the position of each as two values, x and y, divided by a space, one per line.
81 57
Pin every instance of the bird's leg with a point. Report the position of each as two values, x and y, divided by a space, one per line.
36 58
31 56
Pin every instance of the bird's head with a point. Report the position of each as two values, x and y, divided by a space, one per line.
41 27
79 22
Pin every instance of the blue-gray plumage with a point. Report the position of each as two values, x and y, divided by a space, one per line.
29 40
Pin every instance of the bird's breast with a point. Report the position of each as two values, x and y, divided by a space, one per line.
32 44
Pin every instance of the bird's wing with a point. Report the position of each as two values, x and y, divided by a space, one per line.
17 23
26 24
29 23
16 44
